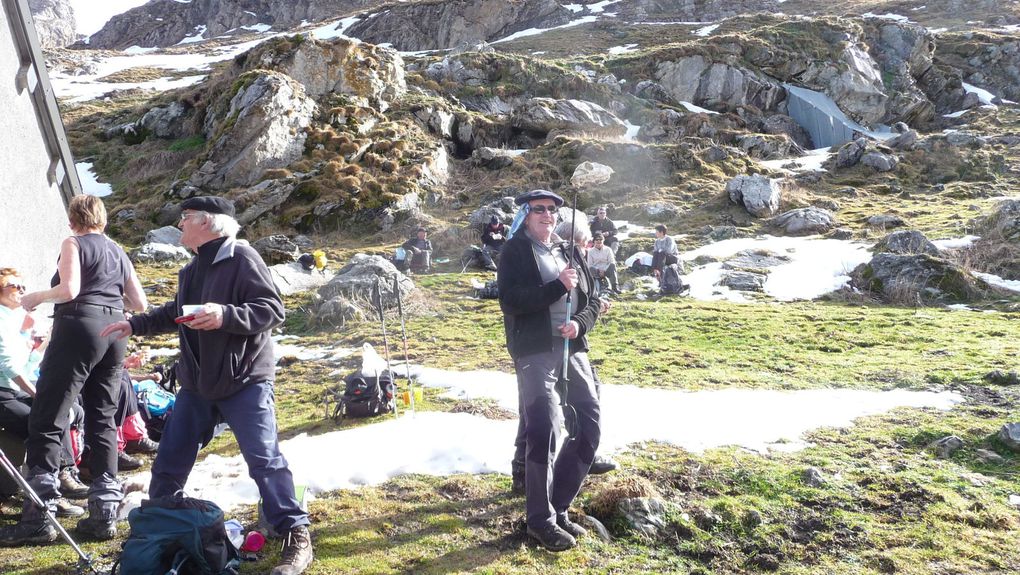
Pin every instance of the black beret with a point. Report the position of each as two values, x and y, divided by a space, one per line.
210 204
538 195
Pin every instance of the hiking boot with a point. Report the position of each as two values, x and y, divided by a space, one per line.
70 486
297 552
127 463
553 538
67 509
564 523
143 445
602 464
32 529
101 524
517 477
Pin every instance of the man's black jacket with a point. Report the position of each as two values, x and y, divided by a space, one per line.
525 300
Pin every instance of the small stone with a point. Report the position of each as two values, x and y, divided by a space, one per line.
1010 435
752 519
946 446
595 526
813 477
988 456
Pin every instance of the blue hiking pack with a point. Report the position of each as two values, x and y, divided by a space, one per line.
179 535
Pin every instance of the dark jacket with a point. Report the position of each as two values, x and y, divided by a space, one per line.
525 300
490 241
415 245
240 352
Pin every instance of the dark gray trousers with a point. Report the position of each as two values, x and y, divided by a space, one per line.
553 479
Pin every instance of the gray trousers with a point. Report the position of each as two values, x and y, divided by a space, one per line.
553 479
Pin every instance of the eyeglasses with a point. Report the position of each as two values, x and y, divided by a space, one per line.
186 216
541 209
18 287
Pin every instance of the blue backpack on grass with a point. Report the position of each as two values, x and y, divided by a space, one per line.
179 535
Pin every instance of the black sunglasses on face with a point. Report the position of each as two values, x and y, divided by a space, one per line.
18 287
541 209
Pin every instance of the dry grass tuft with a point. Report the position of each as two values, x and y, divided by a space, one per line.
603 504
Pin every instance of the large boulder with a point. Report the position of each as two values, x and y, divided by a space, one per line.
906 242
503 208
543 115
1003 222
699 80
163 121
170 235
276 249
264 128
912 278
357 281
291 278
758 194
1009 435
159 253
768 147
371 75
54 22
804 221
492 158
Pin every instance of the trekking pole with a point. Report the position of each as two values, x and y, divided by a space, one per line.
403 336
85 562
565 375
385 340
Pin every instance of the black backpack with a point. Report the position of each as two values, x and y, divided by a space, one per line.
671 284
366 396
489 291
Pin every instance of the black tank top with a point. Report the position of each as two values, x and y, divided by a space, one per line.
105 269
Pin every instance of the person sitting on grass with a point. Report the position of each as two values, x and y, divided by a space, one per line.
419 248
602 262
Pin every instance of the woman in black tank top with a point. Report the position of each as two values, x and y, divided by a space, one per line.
95 282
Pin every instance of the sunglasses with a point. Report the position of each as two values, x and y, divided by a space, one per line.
18 287
541 209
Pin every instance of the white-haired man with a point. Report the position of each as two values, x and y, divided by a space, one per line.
226 369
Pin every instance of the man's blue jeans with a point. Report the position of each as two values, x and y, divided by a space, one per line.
251 414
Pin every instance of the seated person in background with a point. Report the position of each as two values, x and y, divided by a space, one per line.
602 262
19 349
605 225
665 252
419 249
493 236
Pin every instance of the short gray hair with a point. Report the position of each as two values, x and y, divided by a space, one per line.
582 233
222 224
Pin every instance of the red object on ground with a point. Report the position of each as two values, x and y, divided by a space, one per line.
253 542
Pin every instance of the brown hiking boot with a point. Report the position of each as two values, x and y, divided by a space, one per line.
67 509
70 486
297 552
33 529
101 524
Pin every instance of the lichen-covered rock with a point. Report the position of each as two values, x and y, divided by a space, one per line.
743 281
805 221
159 253
906 242
291 278
912 278
370 75
170 235
646 515
54 22
263 198
503 208
492 158
1003 222
758 194
264 128
276 249
879 162
768 147
357 281
543 115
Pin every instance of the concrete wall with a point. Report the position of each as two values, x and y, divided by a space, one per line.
33 218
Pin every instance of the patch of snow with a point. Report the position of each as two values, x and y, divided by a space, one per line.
281 349
538 53
707 30
938 30
887 16
573 7
623 49
994 280
441 444
90 185
198 37
632 131
955 243
697 109
161 352
985 96
261 28
955 114
135 50
600 6
625 230
537 31
916 8
811 161
90 16
334 29
818 266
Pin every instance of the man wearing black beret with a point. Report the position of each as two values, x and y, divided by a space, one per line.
226 368
534 280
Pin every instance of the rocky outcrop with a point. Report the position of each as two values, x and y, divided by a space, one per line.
544 115
291 278
768 147
369 75
276 249
262 198
451 23
692 10
906 242
54 22
167 22
503 208
357 281
758 194
159 253
1003 223
804 221
717 85
908 279
864 151
264 128
989 60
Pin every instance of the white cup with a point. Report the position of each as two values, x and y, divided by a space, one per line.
191 309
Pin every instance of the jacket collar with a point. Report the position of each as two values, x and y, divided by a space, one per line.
226 250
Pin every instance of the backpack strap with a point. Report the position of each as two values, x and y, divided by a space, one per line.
179 560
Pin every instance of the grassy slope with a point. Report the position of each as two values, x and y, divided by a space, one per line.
888 501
